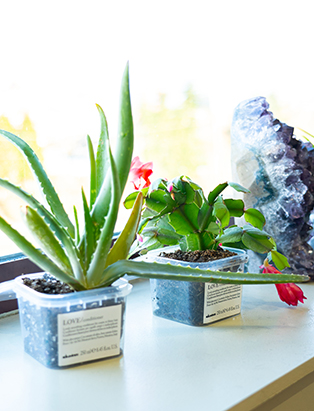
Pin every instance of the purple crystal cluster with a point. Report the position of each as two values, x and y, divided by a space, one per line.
278 169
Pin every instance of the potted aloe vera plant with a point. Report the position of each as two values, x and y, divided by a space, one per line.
197 229
87 324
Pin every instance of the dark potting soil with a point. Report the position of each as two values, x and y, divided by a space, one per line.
48 285
199 256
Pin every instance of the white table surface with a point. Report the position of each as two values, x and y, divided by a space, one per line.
168 366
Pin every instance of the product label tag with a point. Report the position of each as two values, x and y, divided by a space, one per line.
221 301
89 334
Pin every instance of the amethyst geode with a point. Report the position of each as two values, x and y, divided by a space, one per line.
278 170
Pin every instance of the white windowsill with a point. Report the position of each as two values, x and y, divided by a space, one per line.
169 366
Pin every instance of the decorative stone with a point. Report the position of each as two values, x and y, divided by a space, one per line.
278 169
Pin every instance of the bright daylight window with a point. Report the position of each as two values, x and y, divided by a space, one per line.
190 65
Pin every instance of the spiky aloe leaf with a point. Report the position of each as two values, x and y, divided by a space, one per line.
59 231
92 163
171 272
121 247
102 158
77 227
37 256
123 150
48 242
98 261
44 182
89 229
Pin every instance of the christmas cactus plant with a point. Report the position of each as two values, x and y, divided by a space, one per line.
83 255
179 213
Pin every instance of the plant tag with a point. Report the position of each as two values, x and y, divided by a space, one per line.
221 301
89 334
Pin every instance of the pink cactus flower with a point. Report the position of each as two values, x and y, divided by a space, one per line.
139 173
288 293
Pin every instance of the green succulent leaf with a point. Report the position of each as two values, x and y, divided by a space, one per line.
171 272
238 187
280 261
180 222
221 212
213 228
255 232
130 199
235 207
255 218
123 152
48 242
258 244
93 182
212 196
37 256
90 235
102 156
98 261
121 248
44 182
231 235
77 227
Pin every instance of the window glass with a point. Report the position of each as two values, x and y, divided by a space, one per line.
191 63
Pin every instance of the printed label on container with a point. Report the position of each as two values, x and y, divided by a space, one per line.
221 301
89 334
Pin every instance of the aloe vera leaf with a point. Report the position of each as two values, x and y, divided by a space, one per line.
37 256
77 227
44 182
55 226
171 272
89 230
102 159
98 260
123 151
48 242
120 249
92 163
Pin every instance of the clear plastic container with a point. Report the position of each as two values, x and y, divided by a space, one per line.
197 303
70 329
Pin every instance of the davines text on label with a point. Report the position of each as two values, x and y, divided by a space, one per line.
89 334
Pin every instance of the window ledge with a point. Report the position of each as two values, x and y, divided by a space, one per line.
238 363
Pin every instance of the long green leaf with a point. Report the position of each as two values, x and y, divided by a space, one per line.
102 158
55 226
48 242
98 262
37 256
44 182
89 230
121 247
172 272
123 151
93 183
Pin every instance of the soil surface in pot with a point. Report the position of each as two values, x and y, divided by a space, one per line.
199 256
48 285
